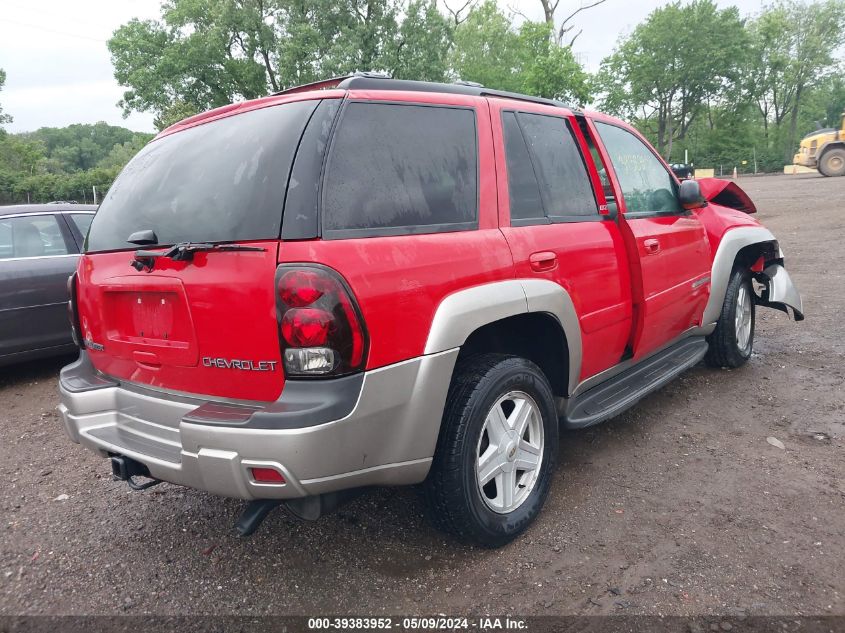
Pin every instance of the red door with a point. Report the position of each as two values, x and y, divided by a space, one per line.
549 214
668 245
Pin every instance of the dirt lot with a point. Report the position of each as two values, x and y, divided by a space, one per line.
678 507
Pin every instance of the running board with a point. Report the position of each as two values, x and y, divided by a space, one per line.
617 394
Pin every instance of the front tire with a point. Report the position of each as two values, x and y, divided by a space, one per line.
496 452
732 341
833 162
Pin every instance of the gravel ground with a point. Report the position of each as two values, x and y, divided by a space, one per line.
678 507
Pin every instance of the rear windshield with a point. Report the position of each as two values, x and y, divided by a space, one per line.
218 182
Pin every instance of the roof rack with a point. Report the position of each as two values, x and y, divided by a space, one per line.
333 82
380 81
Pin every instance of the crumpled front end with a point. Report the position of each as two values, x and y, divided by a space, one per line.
779 292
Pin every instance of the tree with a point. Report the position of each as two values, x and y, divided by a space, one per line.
672 65
4 118
422 49
489 51
792 50
207 53
566 26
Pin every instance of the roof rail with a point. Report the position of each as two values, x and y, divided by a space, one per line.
333 82
380 81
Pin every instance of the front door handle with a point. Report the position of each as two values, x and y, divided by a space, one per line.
543 261
651 245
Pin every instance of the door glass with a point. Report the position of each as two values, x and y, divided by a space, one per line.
31 236
397 169
523 188
82 222
646 184
566 188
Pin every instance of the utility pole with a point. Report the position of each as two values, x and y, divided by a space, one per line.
94 187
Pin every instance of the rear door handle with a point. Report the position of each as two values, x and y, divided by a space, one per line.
651 246
543 261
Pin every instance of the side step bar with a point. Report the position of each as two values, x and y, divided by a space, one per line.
622 391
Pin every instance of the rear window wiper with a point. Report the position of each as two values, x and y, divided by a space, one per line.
184 252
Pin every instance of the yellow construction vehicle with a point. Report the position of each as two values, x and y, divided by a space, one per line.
824 150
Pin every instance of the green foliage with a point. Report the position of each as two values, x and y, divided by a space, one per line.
64 163
695 77
672 65
792 50
207 53
423 43
489 51
4 118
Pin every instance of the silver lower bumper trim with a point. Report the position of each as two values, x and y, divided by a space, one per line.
388 439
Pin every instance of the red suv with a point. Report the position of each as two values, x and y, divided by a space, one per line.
379 282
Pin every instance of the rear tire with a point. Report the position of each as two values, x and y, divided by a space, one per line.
732 341
500 414
833 162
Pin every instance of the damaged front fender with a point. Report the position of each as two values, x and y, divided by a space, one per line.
779 292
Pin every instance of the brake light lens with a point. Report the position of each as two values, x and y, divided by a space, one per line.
320 326
73 312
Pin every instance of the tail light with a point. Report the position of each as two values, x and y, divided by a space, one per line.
320 326
73 312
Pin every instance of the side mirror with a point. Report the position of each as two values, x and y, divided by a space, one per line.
689 195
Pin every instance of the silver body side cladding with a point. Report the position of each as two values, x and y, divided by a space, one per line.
388 439
733 241
463 312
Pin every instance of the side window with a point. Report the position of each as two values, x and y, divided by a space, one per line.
565 186
645 183
82 221
31 236
397 169
523 188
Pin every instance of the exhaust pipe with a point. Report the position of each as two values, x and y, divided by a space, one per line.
305 509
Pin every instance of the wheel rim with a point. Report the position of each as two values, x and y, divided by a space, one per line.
835 163
742 319
510 452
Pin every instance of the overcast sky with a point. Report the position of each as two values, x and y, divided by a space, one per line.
59 72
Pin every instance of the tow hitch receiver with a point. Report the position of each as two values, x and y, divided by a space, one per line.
125 468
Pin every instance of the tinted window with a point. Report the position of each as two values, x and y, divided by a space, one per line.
646 185
301 219
396 169
220 181
523 189
565 186
31 236
82 222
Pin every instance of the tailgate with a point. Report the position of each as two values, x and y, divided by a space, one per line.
202 327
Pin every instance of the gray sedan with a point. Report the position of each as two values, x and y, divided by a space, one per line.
39 248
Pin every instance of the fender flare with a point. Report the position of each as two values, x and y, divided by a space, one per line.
463 312
733 241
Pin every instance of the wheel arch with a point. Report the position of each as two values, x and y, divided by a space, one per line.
502 314
741 246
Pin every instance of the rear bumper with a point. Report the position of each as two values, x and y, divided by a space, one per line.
387 438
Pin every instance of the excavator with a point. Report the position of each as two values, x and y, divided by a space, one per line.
824 150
